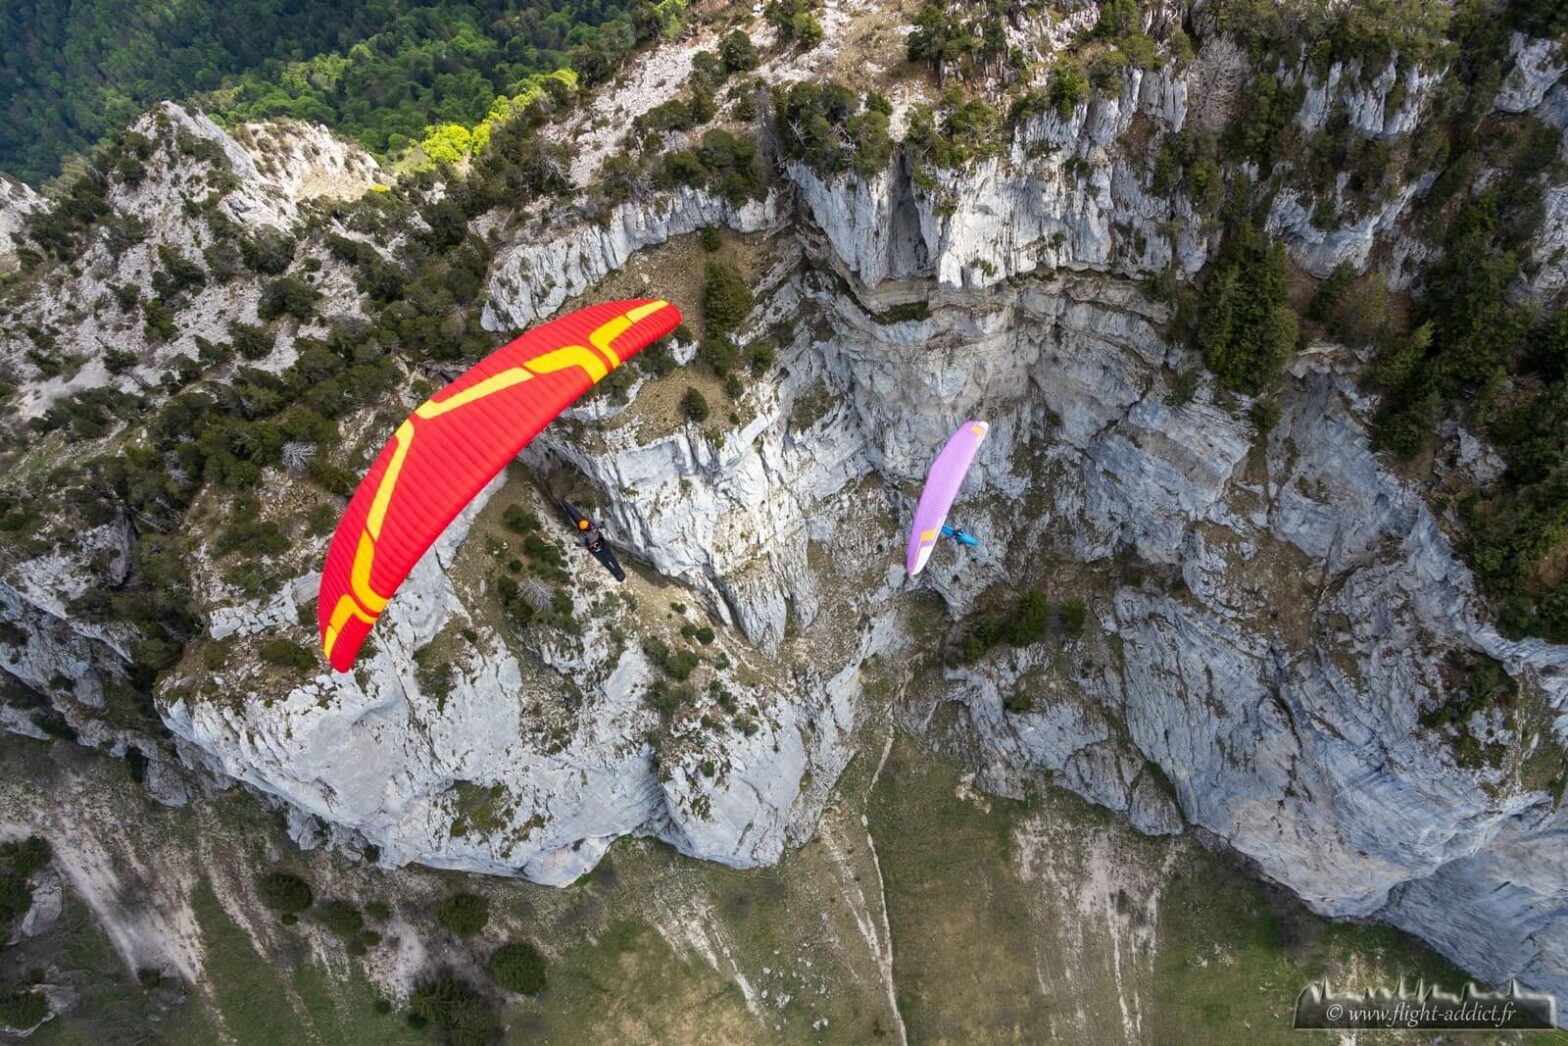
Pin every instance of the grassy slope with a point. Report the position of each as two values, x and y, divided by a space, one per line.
1045 920
1049 920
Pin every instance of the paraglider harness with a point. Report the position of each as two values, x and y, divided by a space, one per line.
592 537
960 536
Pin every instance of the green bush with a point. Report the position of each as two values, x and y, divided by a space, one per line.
250 536
1265 414
1183 388
694 406
521 520
718 352
157 322
961 131
1545 18
1118 18
807 29
795 20
251 342
822 125
287 296
268 253
283 893
434 673
223 261
1074 614
176 274
677 665
1326 298
1266 131
760 355
701 633
941 36
342 918
285 653
456 1008
545 555
1477 682
986 631
511 596
464 915
1069 86
383 281
116 361
725 298
737 52
678 114
518 967
667 699
1025 624
1029 620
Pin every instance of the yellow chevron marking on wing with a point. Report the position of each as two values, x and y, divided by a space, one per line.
378 507
929 535
345 609
606 333
642 312
489 387
979 430
359 577
569 356
550 362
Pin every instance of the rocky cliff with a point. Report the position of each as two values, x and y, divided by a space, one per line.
1270 617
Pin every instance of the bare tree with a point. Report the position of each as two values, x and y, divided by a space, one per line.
297 456
539 595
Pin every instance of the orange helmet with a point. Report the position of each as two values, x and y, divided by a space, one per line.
582 524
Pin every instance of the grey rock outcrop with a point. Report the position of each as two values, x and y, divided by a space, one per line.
17 201
532 280
1082 204
44 912
1267 618
1538 67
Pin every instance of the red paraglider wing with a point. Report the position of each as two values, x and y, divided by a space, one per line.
453 444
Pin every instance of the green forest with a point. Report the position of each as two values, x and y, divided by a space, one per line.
379 71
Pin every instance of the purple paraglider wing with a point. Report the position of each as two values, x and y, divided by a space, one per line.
942 483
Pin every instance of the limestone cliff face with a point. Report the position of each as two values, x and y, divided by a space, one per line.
534 279
377 753
1083 205
1268 617
17 201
